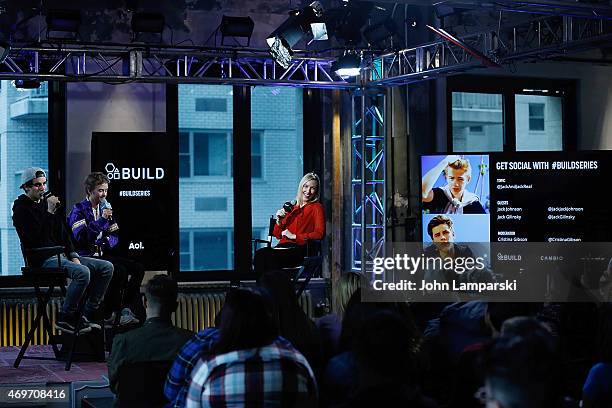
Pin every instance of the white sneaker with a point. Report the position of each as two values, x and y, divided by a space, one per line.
128 317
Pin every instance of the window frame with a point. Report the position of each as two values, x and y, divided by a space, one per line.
56 151
542 118
509 87
229 148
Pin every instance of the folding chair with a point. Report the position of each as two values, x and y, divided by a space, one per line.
311 266
50 277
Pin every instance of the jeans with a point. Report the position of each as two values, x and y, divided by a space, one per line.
96 272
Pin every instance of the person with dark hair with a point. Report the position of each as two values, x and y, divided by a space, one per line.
354 376
250 367
157 339
306 221
330 326
520 370
597 389
39 225
95 232
293 323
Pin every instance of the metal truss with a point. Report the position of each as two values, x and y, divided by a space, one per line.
539 38
128 64
368 178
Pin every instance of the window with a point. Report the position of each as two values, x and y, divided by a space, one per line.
209 153
277 114
206 249
23 136
536 116
206 184
211 204
478 124
184 155
538 122
211 105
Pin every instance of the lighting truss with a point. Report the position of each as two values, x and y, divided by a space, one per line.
535 39
128 64
368 178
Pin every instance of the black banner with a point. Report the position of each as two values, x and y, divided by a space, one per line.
142 171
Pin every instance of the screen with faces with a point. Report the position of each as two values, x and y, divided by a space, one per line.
516 197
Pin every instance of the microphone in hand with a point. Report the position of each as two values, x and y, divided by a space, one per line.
288 206
105 205
53 203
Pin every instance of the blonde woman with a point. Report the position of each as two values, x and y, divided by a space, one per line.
294 229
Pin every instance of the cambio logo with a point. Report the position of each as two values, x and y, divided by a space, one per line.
133 173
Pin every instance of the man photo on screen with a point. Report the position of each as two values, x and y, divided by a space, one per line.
452 198
441 229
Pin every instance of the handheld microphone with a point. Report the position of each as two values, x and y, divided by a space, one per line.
105 205
288 206
48 194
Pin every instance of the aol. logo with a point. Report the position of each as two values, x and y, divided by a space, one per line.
112 172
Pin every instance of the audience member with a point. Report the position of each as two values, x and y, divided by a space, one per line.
382 366
157 339
294 325
520 370
330 326
249 366
597 389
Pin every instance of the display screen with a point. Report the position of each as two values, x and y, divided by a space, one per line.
518 197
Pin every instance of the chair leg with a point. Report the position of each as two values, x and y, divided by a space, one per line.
77 328
48 327
43 300
29 336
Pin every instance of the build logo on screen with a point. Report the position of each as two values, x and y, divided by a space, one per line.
133 173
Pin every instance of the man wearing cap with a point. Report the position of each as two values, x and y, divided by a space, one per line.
38 225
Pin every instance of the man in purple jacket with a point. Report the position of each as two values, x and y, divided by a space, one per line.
95 234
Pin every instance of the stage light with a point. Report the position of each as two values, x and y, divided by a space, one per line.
63 24
300 23
5 48
236 27
349 65
148 23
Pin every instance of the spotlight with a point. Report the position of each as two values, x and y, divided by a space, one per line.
349 65
26 83
63 24
299 24
5 48
236 27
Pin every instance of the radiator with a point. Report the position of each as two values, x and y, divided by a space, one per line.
196 311
17 317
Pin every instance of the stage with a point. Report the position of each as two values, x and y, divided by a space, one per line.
83 379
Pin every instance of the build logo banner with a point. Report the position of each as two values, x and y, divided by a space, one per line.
141 168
